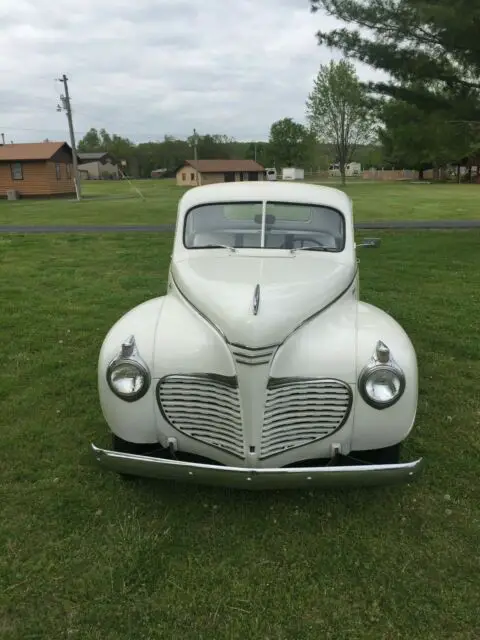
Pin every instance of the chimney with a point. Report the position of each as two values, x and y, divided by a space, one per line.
3 139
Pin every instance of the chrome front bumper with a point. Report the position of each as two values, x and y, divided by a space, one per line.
244 478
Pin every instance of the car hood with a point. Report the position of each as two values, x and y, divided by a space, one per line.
291 289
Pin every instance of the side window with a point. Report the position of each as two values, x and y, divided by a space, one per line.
58 171
184 176
69 170
17 171
192 176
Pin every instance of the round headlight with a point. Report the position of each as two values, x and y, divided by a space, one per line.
382 386
128 380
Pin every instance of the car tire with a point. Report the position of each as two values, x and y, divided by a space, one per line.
123 446
388 455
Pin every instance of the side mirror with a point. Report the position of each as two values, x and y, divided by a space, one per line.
370 243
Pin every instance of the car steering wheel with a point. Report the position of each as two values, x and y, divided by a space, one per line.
302 242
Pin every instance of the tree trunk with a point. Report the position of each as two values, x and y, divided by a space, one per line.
420 174
343 173
458 174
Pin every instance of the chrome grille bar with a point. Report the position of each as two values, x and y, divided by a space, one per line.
204 407
301 411
252 356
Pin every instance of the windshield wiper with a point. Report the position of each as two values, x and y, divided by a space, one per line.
328 249
217 246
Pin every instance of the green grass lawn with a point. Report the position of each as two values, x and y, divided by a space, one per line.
87 556
105 202
109 202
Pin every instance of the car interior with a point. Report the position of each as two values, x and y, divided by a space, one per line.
214 230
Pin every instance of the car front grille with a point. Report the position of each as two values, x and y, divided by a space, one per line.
301 411
205 407
252 356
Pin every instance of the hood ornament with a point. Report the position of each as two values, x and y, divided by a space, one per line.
256 299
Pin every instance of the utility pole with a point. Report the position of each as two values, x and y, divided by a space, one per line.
195 156
255 147
3 139
66 106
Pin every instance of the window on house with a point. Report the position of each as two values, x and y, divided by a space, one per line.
58 171
184 176
192 176
69 171
17 171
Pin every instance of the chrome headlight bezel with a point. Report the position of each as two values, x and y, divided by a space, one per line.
129 356
381 361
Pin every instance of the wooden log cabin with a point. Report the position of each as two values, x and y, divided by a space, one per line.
38 169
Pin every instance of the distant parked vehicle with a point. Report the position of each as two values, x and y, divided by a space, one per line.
293 173
351 169
271 173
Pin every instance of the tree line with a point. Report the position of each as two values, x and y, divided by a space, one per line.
427 115
289 144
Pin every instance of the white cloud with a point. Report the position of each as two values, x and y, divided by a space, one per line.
157 67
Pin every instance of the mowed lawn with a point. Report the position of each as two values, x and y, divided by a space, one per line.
88 556
119 203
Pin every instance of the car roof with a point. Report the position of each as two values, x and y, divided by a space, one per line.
266 190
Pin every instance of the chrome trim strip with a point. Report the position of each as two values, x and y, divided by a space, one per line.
200 313
248 478
256 299
317 313
244 346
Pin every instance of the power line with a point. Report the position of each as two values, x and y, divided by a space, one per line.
154 137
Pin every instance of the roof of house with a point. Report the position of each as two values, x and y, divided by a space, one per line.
220 166
94 155
30 151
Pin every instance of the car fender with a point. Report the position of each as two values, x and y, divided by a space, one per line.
324 347
132 421
171 338
374 428
186 342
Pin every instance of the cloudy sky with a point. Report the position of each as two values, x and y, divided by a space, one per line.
145 68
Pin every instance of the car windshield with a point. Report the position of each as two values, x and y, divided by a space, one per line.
269 225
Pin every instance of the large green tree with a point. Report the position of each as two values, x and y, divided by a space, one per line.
258 151
338 112
91 142
435 42
94 140
414 139
290 144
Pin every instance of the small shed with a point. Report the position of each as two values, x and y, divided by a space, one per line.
37 169
197 172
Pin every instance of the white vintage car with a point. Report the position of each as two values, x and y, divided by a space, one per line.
260 367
